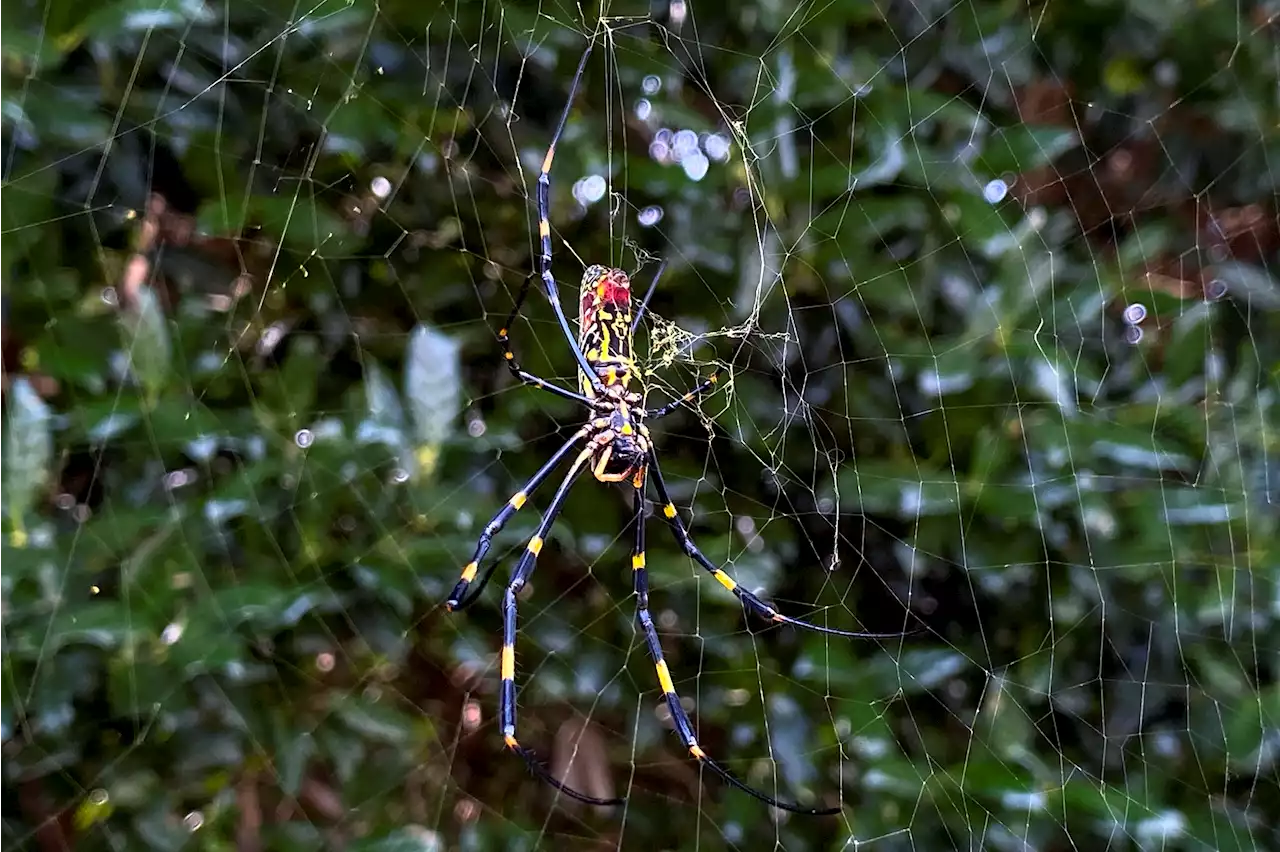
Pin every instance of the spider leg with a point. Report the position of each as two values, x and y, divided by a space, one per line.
456 601
507 696
748 599
522 375
684 728
644 303
702 387
693 394
543 196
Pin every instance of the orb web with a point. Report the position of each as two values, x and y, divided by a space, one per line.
998 386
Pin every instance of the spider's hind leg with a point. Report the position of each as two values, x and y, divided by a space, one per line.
507 695
684 728
458 599
749 600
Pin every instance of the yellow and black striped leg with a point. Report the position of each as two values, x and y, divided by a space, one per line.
522 375
543 198
457 598
749 600
507 695
684 728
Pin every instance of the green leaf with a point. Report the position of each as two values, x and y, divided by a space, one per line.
300 222
147 340
385 423
1023 147
26 202
294 749
924 670
890 158
108 625
433 390
1250 284
410 838
28 453
264 605
29 49
110 21
383 401
376 721
898 489
290 391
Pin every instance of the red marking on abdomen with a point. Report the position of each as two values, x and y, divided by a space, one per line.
611 290
616 294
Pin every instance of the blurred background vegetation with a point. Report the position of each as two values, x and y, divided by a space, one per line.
1007 278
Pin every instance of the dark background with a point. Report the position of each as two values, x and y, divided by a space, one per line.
1007 279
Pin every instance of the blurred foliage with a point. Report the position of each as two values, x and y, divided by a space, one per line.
1009 280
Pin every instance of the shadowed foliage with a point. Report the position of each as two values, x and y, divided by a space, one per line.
994 291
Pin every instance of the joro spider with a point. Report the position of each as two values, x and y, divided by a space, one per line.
615 446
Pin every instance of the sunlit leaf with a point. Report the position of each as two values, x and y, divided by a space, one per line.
384 424
410 838
28 453
1249 283
111 20
379 721
147 343
433 390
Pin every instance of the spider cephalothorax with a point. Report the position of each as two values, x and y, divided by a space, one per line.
616 447
620 444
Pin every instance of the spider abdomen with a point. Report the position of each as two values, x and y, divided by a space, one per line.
604 327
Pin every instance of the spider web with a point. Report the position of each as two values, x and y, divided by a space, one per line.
996 318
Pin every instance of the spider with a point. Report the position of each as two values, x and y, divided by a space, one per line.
615 445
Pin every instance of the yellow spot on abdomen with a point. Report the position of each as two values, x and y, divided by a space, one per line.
469 572
696 751
544 228
508 662
725 580
535 545
511 742
517 499
637 561
669 510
